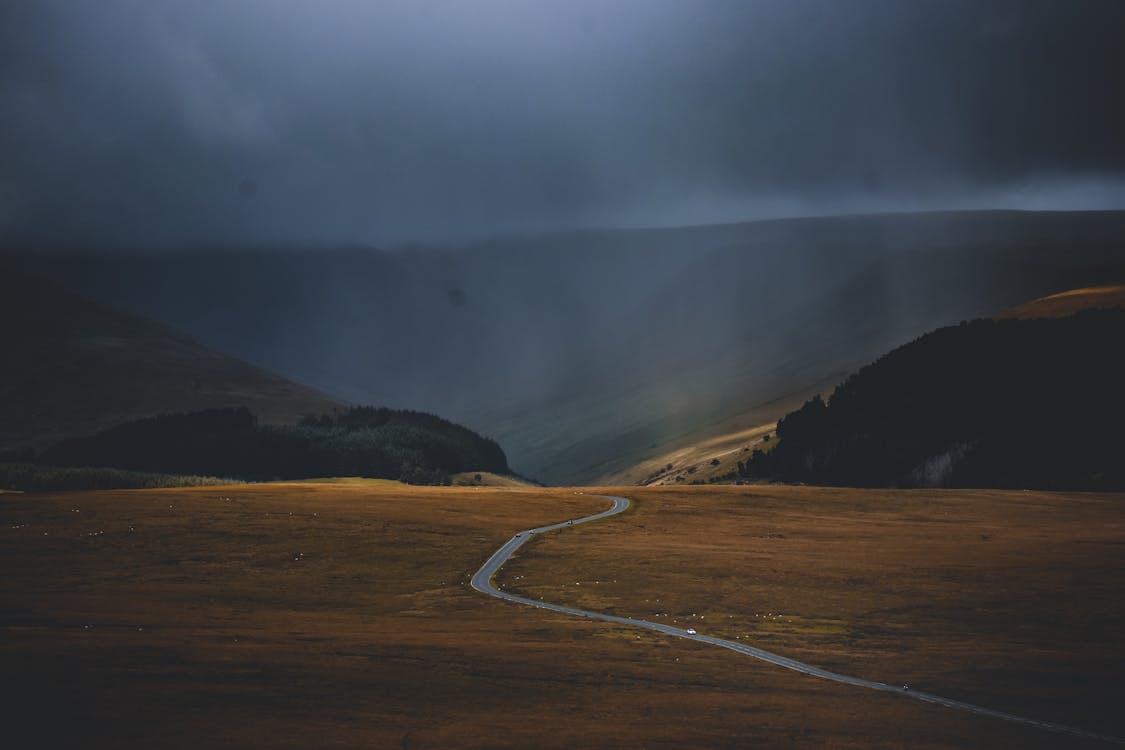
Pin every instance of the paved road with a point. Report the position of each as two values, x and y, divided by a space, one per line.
482 581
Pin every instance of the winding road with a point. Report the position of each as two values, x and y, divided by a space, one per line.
482 581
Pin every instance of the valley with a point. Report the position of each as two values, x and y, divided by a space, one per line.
586 352
562 375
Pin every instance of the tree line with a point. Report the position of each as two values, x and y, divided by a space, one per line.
365 441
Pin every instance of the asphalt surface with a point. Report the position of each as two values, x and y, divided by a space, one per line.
482 581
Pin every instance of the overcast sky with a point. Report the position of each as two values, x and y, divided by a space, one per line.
162 122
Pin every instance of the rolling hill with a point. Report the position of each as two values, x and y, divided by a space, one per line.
74 367
1029 402
368 442
713 453
585 353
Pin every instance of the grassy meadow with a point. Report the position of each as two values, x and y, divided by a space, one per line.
339 616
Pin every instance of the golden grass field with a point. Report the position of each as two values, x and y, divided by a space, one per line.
339 616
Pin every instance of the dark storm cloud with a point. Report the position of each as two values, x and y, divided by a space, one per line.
165 122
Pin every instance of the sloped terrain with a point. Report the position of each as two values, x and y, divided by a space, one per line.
1010 403
367 442
583 353
73 367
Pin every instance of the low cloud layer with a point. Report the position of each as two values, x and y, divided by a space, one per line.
162 123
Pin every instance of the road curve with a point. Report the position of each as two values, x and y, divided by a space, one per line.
482 582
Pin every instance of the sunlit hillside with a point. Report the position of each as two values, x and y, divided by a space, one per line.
1069 302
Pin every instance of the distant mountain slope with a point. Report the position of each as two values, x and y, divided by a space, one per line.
73 367
693 456
586 352
1013 403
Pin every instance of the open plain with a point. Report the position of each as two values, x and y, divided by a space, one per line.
323 615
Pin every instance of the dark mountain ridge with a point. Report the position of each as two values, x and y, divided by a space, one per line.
1014 403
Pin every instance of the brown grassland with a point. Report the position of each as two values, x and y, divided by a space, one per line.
339 616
